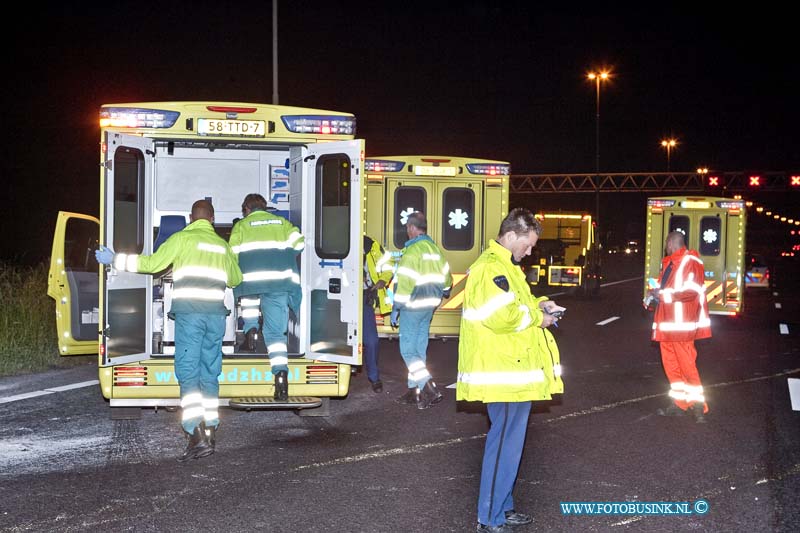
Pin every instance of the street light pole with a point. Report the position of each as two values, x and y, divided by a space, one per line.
275 52
669 144
597 77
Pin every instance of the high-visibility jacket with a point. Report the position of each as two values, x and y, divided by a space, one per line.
423 275
682 311
503 353
378 265
267 247
202 266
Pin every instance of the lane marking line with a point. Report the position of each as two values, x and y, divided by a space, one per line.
777 305
607 321
51 390
784 329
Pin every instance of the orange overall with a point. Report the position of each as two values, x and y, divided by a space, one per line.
680 318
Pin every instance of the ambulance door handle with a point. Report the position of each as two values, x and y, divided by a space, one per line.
309 158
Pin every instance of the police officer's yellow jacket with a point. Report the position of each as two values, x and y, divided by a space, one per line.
202 266
503 353
378 265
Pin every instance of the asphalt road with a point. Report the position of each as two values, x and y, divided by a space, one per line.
376 466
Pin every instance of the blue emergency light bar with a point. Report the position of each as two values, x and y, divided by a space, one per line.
133 117
383 165
323 124
489 169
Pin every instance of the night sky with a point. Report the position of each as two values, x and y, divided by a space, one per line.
498 80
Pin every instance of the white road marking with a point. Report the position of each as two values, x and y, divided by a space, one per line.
451 386
607 321
784 329
777 305
51 390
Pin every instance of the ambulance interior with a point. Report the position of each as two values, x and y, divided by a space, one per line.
224 177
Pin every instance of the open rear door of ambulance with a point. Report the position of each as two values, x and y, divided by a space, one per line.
73 282
328 202
127 296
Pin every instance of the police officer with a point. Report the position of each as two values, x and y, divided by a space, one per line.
506 359
267 246
202 266
378 267
423 278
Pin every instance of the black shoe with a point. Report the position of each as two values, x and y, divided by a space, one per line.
282 386
503 528
672 410
377 386
409 398
429 395
249 343
211 436
514 518
197 447
697 412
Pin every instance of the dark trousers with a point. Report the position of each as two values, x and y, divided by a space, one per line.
369 338
501 458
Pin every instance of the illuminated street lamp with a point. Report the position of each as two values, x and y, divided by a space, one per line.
597 77
669 144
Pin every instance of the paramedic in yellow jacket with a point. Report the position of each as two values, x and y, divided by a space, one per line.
378 271
267 246
423 278
202 266
506 359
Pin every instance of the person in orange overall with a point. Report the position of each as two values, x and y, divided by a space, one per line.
681 317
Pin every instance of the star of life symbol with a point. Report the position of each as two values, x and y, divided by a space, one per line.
709 236
404 214
458 218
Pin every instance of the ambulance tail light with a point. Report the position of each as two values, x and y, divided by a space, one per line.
135 117
383 165
130 376
322 124
485 169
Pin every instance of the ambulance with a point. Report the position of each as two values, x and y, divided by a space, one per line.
715 228
464 200
156 159
566 253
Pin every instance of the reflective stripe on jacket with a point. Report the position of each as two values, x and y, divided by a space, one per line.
682 312
379 266
423 275
202 266
267 246
503 354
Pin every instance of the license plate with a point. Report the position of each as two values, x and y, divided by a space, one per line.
238 128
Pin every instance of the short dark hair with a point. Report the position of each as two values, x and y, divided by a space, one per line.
417 219
254 201
521 221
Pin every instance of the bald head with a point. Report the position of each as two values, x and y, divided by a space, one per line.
675 241
203 209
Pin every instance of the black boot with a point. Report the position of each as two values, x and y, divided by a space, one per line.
697 412
211 436
429 395
282 386
248 345
410 397
197 446
671 410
